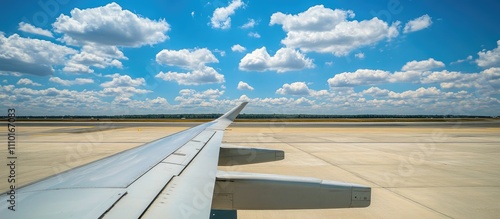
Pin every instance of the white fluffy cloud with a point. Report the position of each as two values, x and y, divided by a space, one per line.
31 56
431 92
244 86
359 55
486 81
221 17
299 89
413 72
296 88
187 59
28 28
194 60
77 81
285 59
359 77
324 30
53 101
122 88
420 101
489 58
238 48
123 92
205 75
376 92
205 98
417 24
26 81
423 65
110 25
95 56
250 24
254 35
123 81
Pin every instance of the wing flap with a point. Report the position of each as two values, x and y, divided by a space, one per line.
189 195
251 191
146 189
143 191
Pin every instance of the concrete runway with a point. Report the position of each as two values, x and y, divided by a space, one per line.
415 170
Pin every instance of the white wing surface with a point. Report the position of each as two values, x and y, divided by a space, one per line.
176 177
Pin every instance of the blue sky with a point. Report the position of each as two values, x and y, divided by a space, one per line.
62 57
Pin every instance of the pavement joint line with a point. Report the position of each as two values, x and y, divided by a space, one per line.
382 187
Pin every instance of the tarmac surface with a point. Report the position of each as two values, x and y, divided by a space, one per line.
416 170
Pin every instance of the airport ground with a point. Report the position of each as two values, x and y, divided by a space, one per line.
416 170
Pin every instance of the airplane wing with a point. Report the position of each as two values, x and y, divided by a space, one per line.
176 177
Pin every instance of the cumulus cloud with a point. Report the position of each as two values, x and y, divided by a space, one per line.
469 58
110 25
296 88
26 81
376 92
158 100
299 89
77 81
188 59
250 24
221 52
28 28
422 65
123 81
359 77
221 17
238 48
194 60
359 55
440 77
205 98
285 59
491 78
304 102
122 88
422 92
31 56
489 58
205 75
121 93
244 86
53 101
324 30
417 24
254 35
486 81
96 56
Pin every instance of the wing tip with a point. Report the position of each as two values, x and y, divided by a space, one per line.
233 113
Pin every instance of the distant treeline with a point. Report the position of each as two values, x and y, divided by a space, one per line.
251 116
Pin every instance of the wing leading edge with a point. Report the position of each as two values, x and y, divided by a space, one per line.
177 177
